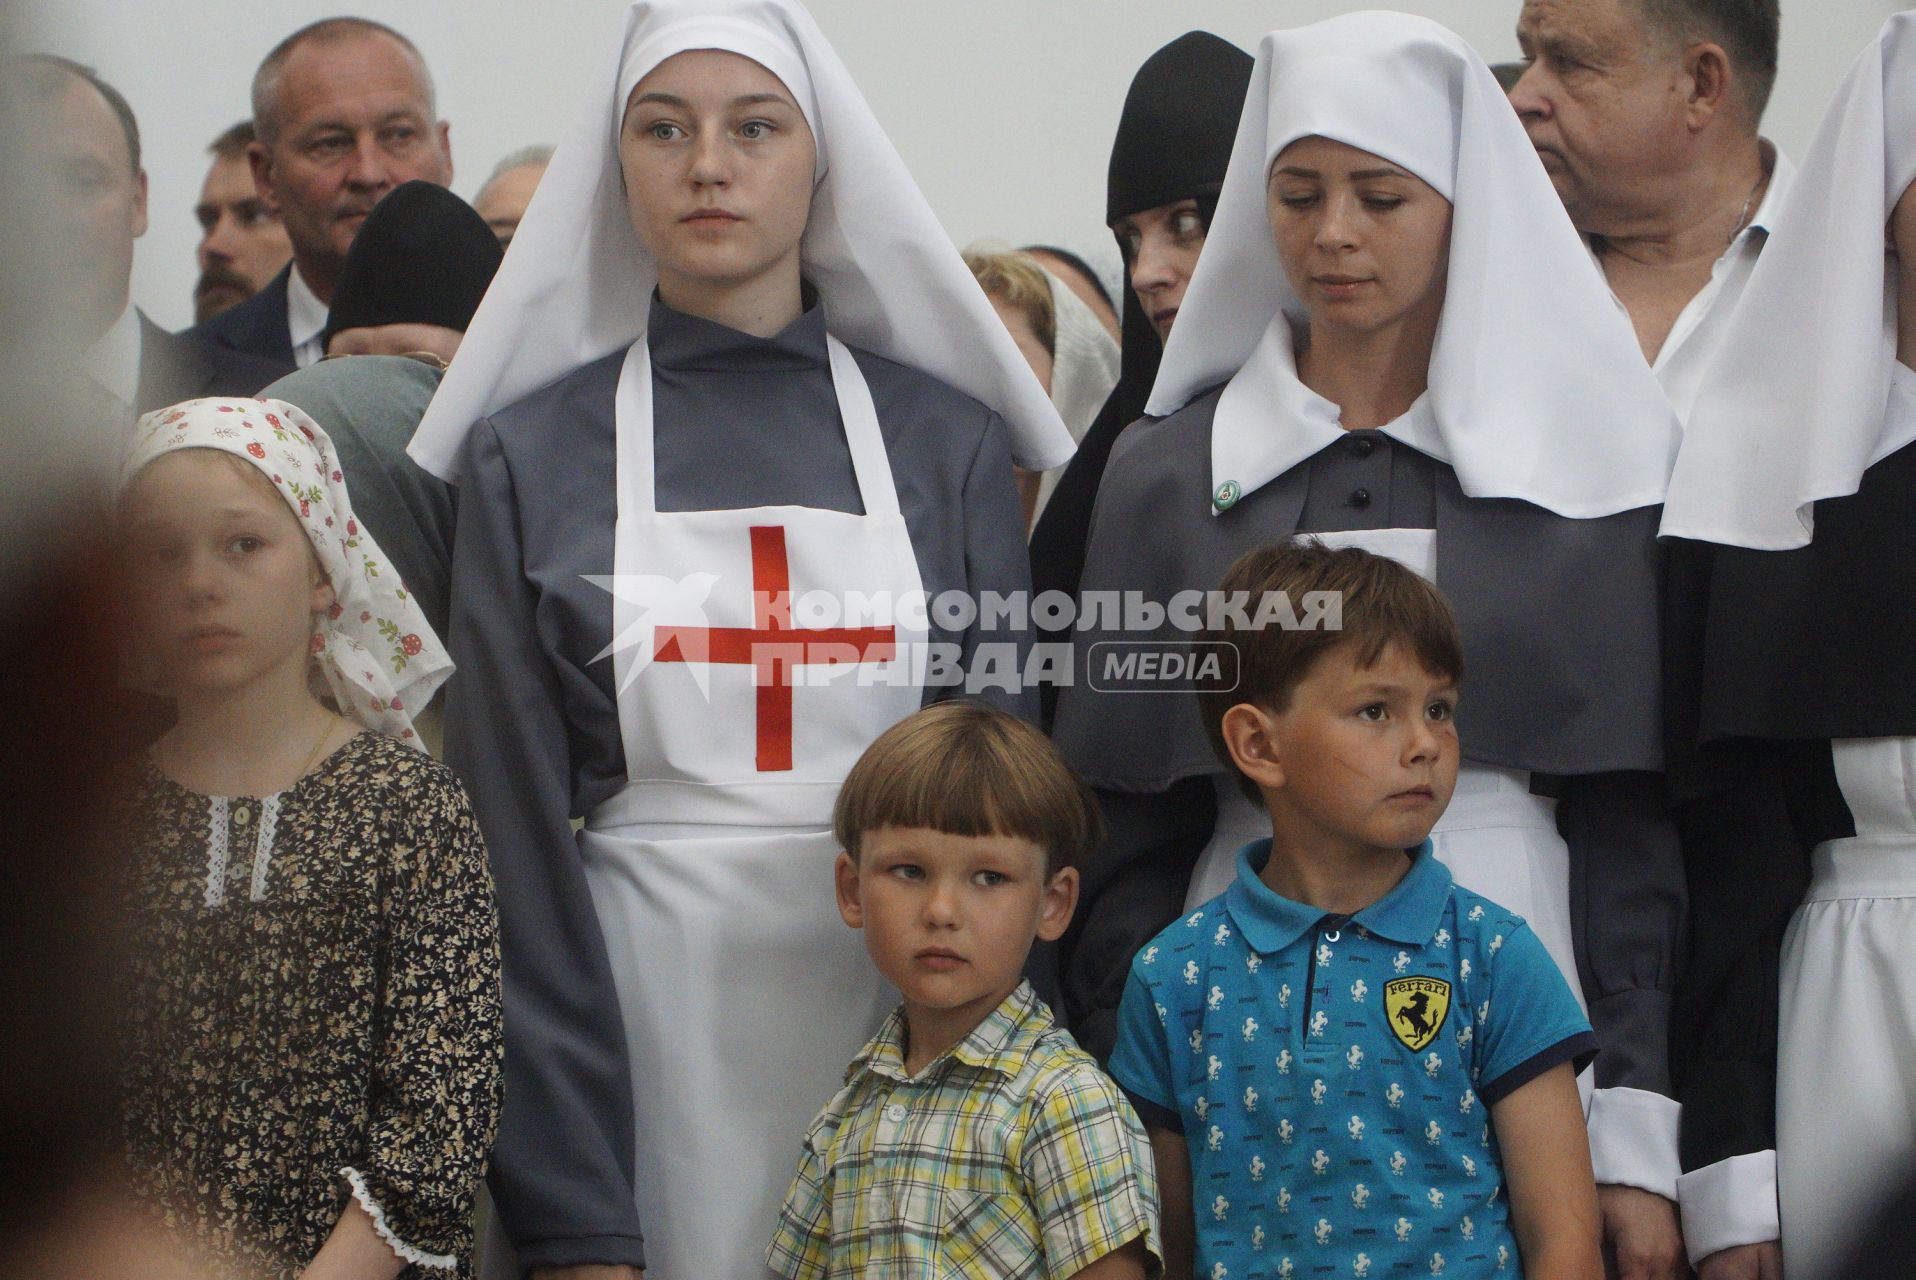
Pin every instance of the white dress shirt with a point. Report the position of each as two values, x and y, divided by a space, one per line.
305 319
1700 326
113 361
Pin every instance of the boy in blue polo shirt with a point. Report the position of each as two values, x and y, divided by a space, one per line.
1350 1066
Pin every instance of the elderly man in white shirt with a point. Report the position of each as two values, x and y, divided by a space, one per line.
1645 114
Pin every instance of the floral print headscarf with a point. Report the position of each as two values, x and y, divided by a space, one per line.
374 654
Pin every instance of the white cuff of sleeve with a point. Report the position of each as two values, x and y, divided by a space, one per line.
1729 1203
1633 1140
407 1253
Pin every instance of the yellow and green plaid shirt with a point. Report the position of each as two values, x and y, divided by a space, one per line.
1010 1156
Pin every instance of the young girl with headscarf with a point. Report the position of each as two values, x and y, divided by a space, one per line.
732 368
1395 340
1793 710
313 1049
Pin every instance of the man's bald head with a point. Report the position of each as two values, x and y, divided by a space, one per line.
327 31
502 201
344 113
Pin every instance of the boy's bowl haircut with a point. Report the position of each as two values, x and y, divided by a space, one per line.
970 770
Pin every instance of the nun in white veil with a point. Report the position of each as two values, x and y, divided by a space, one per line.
731 363
1395 339
1793 688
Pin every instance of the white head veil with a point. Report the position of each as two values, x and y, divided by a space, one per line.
1793 407
1084 358
1085 363
1538 389
578 285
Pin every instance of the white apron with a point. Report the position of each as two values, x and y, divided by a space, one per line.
1497 838
1846 1053
744 995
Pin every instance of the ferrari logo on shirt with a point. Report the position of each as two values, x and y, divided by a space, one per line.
1415 1008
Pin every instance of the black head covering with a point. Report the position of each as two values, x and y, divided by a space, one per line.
1174 143
1179 121
423 256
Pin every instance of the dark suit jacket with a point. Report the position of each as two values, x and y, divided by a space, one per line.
179 366
256 326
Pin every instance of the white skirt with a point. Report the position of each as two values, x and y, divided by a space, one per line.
1846 1057
744 996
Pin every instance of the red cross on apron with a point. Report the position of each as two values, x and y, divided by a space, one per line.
772 648
712 879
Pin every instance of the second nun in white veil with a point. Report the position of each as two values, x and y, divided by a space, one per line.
1396 340
1792 688
732 401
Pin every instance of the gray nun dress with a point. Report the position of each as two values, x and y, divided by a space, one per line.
533 722
1560 626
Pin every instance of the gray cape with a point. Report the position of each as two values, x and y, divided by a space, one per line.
1559 616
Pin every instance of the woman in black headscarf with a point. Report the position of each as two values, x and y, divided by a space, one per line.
1167 166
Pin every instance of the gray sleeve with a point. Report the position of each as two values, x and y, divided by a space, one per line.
562 1170
1629 904
370 406
996 560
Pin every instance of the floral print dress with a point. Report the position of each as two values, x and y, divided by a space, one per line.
315 1011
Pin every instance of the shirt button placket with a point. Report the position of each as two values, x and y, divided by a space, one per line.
1361 497
891 1119
1317 1047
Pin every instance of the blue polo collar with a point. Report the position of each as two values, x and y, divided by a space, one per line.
1410 914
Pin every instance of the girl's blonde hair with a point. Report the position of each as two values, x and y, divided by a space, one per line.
1017 280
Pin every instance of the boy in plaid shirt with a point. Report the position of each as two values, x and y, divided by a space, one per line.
972 1137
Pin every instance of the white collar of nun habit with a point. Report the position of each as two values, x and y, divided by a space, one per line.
1560 410
1268 421
1805 393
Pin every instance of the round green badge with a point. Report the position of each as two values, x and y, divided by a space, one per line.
1227 495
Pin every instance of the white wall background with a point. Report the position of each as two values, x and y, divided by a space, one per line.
1003 109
